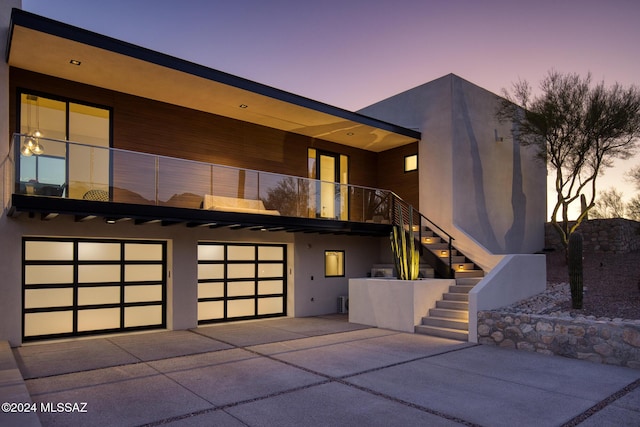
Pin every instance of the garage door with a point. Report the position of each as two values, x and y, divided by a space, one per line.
86 286
241 281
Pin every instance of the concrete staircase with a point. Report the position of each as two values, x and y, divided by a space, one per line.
460 264
450 317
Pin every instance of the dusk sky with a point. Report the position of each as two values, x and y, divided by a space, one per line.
352 53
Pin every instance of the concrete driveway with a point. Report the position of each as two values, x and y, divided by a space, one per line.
320 371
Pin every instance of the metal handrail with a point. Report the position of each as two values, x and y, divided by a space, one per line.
405 206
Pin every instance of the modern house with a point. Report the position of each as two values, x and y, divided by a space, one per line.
142 191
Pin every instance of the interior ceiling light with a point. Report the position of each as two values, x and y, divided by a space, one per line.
243 106
350 134
32 143
75 62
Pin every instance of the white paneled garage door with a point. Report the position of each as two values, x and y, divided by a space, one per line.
86 286
238 281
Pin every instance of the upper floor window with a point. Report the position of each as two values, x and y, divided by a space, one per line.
411 163
46 160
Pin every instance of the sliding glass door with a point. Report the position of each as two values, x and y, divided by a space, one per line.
332 196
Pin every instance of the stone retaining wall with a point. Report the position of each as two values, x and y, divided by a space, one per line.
613 342
615 235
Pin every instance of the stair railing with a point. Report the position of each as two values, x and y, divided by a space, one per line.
405 210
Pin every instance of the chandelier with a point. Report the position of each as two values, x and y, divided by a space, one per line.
32 143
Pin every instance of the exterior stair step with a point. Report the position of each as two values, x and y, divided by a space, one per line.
454 334
450 317
460 289
445 322
469 273
434 243
444 253
449 313
468 281
459 266
449 296
453 305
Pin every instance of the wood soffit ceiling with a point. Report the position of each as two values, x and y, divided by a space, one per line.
140 72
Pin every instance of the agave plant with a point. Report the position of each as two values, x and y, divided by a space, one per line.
405 254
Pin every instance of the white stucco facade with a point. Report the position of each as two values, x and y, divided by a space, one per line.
476 181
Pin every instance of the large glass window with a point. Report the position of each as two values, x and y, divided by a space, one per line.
45 159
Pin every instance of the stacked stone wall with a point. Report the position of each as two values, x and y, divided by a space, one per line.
615 235
609 341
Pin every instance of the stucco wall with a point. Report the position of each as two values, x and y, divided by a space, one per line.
316 294
499 186
476 181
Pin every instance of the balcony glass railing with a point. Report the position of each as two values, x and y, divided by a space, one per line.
80 171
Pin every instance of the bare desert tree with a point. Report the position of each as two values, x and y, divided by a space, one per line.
579 129
609 204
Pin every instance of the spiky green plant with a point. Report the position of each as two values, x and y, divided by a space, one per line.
405 254
574 259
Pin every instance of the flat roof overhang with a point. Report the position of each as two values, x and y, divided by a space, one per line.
48 208
46 46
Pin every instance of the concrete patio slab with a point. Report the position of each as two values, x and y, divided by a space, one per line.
337 360
166 344
13 390
232 381
58 358
480 400
333 404
622 412
559 374
313 326
345 375
243 335
612 416
319 341
409 346
136 393
217 418
629 401
354 356
197 361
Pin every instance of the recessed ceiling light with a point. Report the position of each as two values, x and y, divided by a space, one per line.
243 105
350 134
75 62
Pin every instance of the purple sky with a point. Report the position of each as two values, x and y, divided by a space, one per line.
352 53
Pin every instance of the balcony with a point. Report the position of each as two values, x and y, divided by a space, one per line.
91 182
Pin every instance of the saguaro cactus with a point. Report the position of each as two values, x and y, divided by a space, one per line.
575 269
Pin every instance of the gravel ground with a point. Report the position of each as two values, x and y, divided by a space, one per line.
611 282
